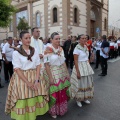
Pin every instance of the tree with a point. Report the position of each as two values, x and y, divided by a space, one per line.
23 24
6 11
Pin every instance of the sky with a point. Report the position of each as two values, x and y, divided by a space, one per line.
114 13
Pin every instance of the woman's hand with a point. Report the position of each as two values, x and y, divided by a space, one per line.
36 85
78 75
51 81
30 85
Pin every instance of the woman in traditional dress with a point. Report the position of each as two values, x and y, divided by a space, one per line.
82 75
27 94
57 76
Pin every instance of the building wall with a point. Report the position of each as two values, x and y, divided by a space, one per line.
38 7
105 15
81 27
55 27
65 24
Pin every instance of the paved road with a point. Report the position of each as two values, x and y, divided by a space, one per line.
104 106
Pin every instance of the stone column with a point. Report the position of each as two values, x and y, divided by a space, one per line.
46 17
65 17
88 16
30 14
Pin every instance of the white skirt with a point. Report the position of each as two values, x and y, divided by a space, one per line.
82 89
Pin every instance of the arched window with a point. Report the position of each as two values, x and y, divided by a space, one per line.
105 24
54 15
38 19
75 15
92 15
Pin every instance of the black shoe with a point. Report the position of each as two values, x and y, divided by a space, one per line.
101 74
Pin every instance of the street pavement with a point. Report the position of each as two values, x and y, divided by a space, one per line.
104 106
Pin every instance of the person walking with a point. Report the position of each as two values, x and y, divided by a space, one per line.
7 52
104 54
27 94
98 47
118 42
82 88
89 45
57 77
66 48
0 73
72 47
36 42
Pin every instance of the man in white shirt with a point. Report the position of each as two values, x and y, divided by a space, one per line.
2 44
104 54
7 52
36 42
98 47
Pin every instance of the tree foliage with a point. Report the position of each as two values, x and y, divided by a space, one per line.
6 11
23 25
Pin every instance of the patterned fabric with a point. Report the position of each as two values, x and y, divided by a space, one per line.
84 68
28 109
59 92
82 89
60 108
18 90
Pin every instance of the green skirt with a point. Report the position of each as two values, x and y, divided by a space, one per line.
28 109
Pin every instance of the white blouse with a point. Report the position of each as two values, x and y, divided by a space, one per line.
20 61
112 43
82 55
54 59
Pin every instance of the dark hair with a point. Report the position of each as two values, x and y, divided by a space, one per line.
79 36
41 38
22 33
88 37
104 37
53 34
32 30
9 38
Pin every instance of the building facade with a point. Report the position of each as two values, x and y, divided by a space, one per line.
113 31
68 17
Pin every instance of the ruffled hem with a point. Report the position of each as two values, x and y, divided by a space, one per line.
56 88
59 86
28 109
84 68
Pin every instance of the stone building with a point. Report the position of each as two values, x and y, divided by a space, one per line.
64 16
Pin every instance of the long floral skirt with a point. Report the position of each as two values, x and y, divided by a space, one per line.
59 92
23 103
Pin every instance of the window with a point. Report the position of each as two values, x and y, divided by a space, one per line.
54 15
92 15
75 15
105 24
38 20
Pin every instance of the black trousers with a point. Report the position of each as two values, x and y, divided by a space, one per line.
71 61
115 53
111 53
8 70
97 58
67 59
104 65
119 50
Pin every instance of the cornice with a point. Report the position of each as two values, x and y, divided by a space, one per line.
97 3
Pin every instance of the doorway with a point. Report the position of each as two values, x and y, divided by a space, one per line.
92 28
